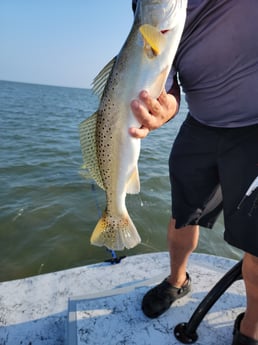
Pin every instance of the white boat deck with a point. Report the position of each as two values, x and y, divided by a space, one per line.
101 304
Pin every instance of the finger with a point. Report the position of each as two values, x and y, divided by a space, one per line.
152 104
141 113
144 96
163 97
139 133
136 106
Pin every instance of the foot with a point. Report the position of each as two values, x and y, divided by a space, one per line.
238 337
159 299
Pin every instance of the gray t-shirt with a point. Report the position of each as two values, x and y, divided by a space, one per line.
217 62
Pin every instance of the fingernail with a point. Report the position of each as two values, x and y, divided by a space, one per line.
135 104
144 94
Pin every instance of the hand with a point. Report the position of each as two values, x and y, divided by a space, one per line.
152 113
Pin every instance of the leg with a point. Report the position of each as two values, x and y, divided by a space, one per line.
249 324
238 167
182 243
191 193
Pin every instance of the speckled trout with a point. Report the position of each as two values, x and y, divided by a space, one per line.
110 154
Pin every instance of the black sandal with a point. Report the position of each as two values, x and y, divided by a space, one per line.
239 338
159 299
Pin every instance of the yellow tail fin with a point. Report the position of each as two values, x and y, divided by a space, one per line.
115 233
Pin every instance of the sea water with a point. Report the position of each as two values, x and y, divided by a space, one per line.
48 209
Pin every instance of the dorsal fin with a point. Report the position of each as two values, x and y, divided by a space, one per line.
153 37
100 80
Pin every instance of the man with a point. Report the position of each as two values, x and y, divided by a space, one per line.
214 159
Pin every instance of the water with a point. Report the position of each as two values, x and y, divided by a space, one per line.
47 209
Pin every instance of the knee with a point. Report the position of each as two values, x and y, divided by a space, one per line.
250 267
250 260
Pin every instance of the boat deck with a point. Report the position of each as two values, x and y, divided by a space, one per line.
101 304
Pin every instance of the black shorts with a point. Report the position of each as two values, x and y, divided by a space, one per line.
211 170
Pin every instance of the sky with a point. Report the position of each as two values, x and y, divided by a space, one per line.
60 42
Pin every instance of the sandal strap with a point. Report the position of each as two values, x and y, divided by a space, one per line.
239 338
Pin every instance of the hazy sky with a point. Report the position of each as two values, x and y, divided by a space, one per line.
60 42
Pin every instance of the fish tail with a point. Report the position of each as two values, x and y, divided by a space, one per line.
115 233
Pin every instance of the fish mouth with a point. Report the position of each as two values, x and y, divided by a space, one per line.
164 31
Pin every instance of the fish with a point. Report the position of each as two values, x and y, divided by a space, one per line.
109 152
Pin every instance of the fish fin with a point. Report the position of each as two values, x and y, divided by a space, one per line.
115 233
159 83
153 37
84 172
89 149
133 184
100 80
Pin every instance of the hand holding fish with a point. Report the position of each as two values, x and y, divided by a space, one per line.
152 113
